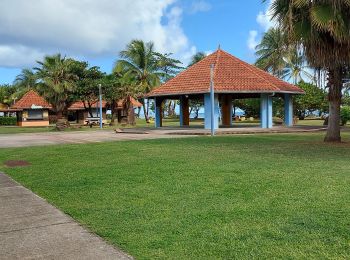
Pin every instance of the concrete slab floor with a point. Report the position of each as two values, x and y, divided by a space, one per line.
31 228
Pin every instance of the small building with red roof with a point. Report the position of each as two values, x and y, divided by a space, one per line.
32 110
79 110
231 78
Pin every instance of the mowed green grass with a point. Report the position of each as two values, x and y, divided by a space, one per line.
243 197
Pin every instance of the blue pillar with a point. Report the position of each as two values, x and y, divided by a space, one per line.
158 112
207 111
288 110
266 111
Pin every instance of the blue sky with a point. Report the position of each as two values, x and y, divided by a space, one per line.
98 30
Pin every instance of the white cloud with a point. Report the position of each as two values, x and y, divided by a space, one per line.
265 22
200 6
12 56
264 18
252 41
89 28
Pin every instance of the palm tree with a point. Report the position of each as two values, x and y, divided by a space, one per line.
197 57
296 68
56 84
271 52
26 80
322 28
169 66
140 61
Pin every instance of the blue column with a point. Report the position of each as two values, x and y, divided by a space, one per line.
288 110
158 112
266 111
207 111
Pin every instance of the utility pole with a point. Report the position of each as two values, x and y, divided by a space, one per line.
212 100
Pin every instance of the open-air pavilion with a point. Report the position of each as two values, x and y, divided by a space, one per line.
232 79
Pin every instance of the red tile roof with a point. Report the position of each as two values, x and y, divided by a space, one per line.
79 105
31 99
134 102
231 75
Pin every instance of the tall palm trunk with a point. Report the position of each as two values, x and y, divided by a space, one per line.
113 112
334 98
145 112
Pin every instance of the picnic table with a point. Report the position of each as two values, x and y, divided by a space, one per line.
91 121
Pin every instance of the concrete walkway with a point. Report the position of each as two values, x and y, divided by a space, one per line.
30 228
79 137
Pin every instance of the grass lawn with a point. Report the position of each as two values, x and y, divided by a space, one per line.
243 197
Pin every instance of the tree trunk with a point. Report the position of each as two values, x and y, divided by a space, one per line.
62 122
138 112
113 105
334 98
131 115
145 112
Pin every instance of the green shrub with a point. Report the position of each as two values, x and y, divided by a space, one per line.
8 120
344 114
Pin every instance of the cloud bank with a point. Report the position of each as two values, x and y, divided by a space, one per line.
88 28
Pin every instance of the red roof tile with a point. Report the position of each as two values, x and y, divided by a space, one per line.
31 99
231 75
79 105
134 102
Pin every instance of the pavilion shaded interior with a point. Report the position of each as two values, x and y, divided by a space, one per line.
232 79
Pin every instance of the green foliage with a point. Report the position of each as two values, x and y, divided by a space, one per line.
145 67
169 66
280 59
250 106
270 52
196 58
57 80
8 120
314 99
344 114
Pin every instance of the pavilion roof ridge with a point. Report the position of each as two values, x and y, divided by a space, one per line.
249 67
216 64
230 75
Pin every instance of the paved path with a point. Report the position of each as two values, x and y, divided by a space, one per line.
30 228
36 139
78 137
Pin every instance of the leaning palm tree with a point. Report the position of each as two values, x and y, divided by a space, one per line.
271 52
322 28
139 59
56 84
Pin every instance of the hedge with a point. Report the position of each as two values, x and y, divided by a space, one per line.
344 115
8 120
